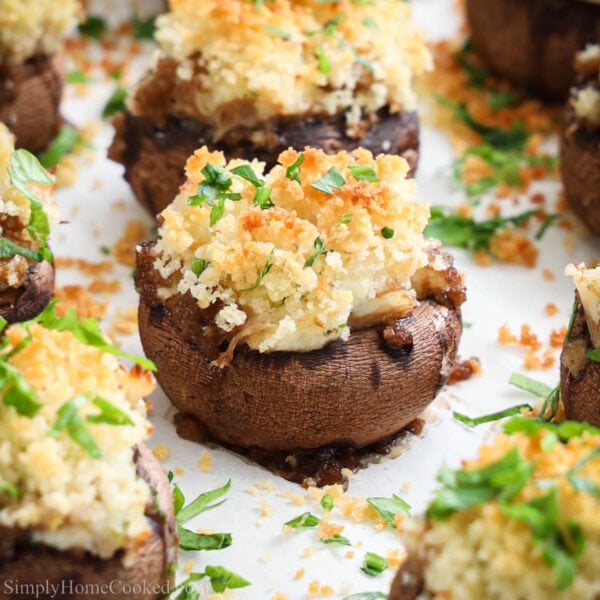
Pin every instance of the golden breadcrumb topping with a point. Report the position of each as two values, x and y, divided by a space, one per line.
587 282
29 27
15 215
250 61
481 552
586 102
61 494
295 275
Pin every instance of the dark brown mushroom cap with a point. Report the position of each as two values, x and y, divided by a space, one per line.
147 574
580 376
580 170
155 146
29 299
533 42
30 95
408 582
349 393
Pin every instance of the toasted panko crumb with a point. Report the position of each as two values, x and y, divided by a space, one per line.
299 574
188 567
551 309
80 299
178 471
85 266
123 249
548 275
205 462
161 452
280 596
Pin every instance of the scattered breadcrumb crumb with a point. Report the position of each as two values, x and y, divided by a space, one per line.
85 266
299 574
124 249
551 309
548 275
80 299
126 321
178 471
161 452
280 596
205 462
188 567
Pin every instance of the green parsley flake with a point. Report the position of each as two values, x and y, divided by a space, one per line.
293 171
374 564
332 180
363 173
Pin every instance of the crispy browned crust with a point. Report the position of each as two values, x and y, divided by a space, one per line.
154 146
30 95
533 42
147 575
349 393
408 582
30 299
579 376
580 170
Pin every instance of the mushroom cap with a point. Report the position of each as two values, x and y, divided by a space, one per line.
580 376
352 393
29 299
144 574
531 42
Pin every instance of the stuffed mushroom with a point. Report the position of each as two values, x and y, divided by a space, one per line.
28 213
300 309
532 42
85 508
254 78
520 522
580 358
31 77
580 141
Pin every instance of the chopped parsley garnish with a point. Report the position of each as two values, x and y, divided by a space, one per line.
500 99
363 173
477 74
77 77
319 246
505 165
332 180
563 431
293 171
346 218
87 331
367 596
199 265
497 137
465 488
266 268
262 197
304 520
278 32
105 250
560 544
213 191
584 484
337 539
109 414
324 64
143 29
116 103
369 22
203 503
10 489
387 233
464 232
25 169
327 502
220 579
246 172
69 419
93 27
189 540
9 249
548 222
374 564
390 508
551 395
507 412
593 355
17 392
64 143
